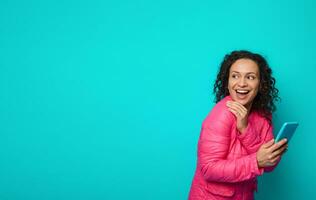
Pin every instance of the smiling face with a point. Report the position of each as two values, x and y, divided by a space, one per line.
243 81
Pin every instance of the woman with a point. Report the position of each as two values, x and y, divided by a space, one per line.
236 141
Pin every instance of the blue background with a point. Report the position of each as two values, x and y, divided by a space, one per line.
105 99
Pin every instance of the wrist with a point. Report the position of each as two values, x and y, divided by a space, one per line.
258 162
242 129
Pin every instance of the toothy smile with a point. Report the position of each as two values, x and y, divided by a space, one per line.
242 91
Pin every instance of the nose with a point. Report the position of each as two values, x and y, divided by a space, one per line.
242 82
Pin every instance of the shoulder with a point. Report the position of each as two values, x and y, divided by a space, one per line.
220 113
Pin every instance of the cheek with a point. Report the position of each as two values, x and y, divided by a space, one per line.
230 88
256 88
230 84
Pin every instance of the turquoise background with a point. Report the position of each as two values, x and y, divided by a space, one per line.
105 99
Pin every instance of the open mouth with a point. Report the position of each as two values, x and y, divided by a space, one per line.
242 92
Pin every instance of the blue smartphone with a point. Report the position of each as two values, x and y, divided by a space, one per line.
286 131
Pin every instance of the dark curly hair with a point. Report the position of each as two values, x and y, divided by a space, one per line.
267 94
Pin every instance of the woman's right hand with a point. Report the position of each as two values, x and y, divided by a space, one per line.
270 152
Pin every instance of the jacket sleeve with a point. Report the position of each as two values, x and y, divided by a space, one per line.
213 148
252 139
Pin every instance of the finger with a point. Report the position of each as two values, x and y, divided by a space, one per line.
269 143
240 106
278 145
284 151
278 152
283 141
237 107
275 160
285 146
234 112
237 111
282 146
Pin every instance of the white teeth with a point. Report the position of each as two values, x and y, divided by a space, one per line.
242 91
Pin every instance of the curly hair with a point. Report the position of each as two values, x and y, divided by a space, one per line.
267 95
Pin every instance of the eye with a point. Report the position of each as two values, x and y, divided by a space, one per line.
234 76
251 77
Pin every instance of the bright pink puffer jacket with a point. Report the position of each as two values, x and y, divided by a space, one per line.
227 165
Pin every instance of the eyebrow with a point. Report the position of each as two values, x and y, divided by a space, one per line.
246 73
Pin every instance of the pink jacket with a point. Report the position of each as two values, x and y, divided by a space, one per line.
227 165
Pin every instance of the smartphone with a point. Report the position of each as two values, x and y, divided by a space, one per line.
286 131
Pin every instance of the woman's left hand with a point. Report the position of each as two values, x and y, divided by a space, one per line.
241 114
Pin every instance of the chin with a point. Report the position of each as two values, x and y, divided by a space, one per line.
243 102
